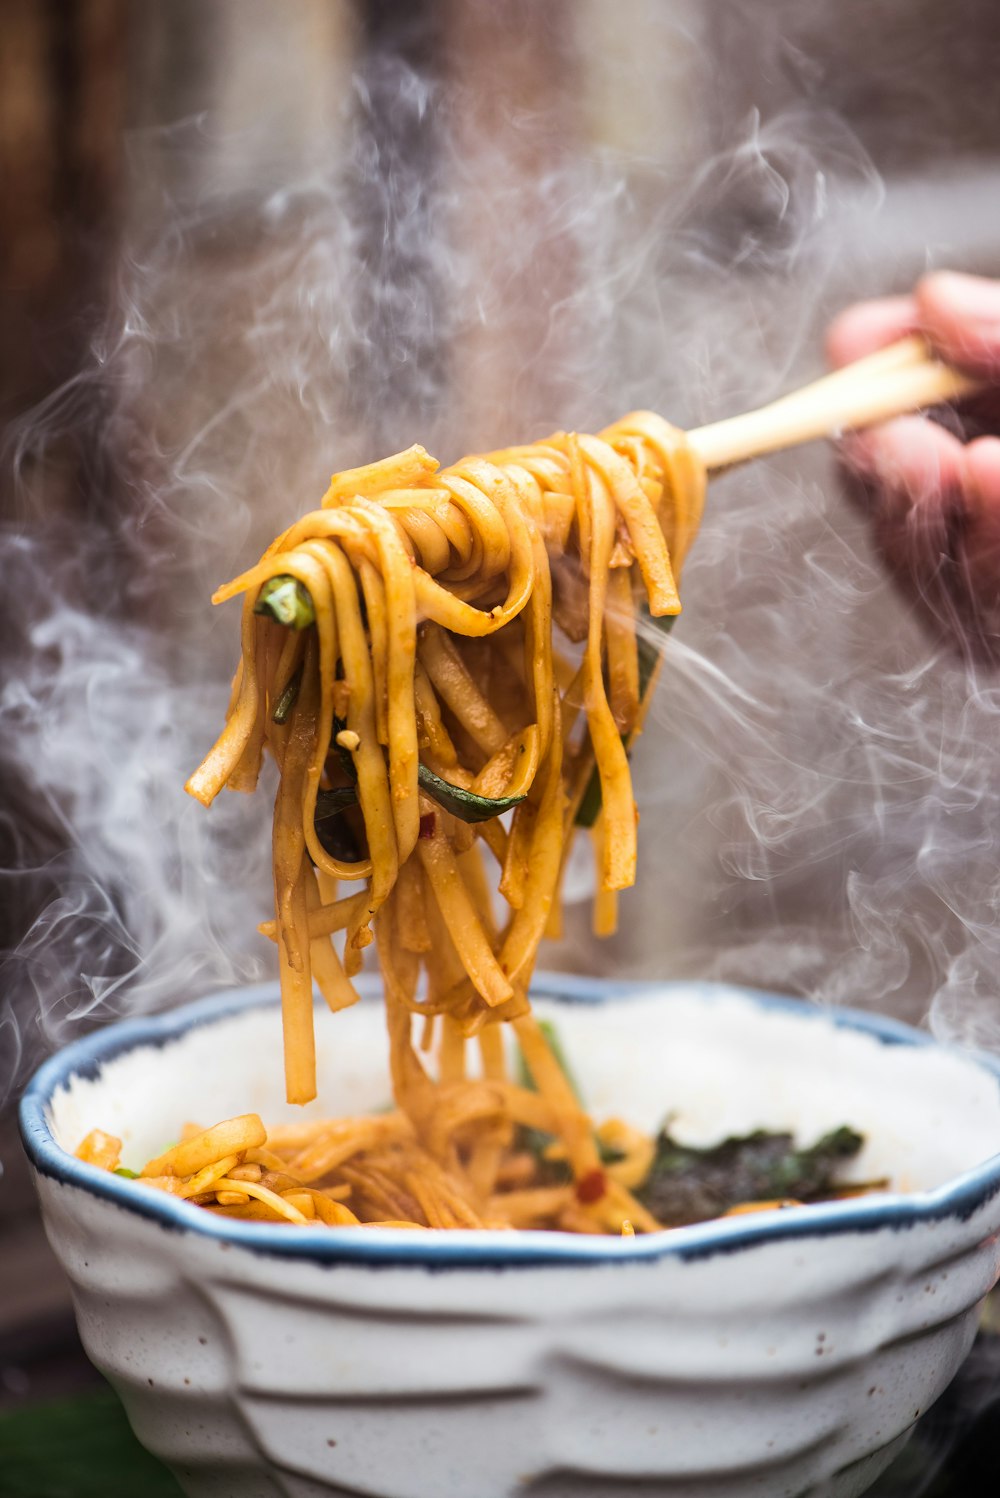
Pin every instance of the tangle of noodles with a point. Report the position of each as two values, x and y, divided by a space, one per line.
438 600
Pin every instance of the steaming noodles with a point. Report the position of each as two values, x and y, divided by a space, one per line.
400 664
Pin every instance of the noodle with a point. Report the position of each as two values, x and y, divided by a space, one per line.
433 600
410 697
398 663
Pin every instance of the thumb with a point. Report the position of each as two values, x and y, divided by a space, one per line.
961 316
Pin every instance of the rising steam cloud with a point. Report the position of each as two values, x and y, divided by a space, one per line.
819 785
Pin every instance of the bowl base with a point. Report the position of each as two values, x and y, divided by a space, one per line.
852 1481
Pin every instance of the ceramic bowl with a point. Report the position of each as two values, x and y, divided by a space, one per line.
784 1353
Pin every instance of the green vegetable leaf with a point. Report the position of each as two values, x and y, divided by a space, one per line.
123 1170
331 804
287 700
649 653
692 1185
465 805
287 602
334 831
339 838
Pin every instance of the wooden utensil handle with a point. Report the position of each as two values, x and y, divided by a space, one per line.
904 377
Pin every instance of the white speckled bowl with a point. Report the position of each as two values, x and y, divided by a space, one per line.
787 1353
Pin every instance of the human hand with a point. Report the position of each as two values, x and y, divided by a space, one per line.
934 497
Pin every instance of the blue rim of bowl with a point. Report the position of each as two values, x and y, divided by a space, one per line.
959 1199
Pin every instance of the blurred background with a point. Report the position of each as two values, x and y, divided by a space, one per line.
246 244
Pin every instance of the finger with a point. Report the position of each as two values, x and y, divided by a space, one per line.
912 474
868 326
936 520
961 316
982 471
912 459
981 540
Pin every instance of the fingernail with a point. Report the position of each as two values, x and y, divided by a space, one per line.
968 296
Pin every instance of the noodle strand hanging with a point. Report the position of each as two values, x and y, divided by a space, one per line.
448 668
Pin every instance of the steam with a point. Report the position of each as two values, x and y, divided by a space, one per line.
819 781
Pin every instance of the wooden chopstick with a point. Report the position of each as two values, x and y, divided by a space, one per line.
904 377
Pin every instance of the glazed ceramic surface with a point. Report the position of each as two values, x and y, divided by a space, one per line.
786 1353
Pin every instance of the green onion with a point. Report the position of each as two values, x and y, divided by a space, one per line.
332 804
285 703
287 602
465 805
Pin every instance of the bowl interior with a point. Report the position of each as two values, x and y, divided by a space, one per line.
716 1060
